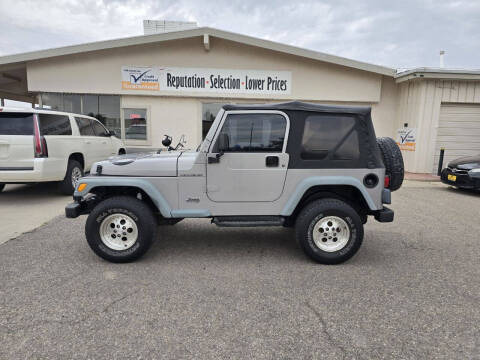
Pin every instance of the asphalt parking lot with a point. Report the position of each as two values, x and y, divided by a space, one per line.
412 291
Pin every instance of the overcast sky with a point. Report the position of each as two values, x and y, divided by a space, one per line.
395 33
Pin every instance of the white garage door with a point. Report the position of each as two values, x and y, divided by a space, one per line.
458 132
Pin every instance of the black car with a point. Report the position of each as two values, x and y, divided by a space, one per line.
463 172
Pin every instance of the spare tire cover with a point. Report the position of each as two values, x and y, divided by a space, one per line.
393 161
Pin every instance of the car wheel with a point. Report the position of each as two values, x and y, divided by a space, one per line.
121 229
329 231
2 186
74 173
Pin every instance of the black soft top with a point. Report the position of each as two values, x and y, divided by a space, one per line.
302 106
298 112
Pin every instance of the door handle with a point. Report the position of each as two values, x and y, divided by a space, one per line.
88 142
272 161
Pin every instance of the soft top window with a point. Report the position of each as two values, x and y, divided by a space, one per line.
330 137
255 132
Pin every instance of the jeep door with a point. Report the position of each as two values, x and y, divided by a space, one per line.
252 165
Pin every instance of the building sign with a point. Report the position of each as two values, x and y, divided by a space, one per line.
406 138
139 78
203 80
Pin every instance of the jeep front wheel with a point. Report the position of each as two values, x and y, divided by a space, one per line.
329 231
121 229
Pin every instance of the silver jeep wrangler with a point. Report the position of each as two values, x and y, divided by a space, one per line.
317 168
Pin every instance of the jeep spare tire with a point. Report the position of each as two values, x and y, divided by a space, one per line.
393 161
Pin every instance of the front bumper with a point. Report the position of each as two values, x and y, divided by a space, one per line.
462 179
81 206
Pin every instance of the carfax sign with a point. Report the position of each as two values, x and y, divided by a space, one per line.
406 139
139 78
207 80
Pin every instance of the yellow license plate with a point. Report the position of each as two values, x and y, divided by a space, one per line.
452 177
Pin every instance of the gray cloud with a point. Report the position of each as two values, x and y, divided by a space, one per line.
400 34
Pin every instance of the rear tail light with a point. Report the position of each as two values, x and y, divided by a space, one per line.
386 182
39 142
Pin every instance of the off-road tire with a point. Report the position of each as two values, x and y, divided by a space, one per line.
313 213
393 161
2 186
66 186
137 211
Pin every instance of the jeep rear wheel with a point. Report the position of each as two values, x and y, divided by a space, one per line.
121 229
329 231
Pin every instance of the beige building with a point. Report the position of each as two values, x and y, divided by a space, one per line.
173 83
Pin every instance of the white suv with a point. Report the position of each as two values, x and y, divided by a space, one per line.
41 145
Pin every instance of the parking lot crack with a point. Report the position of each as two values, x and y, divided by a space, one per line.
116 301
325 330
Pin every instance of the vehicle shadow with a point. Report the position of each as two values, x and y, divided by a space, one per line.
192 240
197 238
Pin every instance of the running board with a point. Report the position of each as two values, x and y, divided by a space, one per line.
248 221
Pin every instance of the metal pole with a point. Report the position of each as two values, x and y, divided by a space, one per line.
440 162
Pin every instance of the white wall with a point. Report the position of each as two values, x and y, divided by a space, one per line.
100 71
419 106
172 116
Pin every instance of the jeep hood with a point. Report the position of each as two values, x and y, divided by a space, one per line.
142 164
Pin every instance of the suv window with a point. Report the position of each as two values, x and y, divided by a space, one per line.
16 124
255 132
51 124
330 137
99 129
85 126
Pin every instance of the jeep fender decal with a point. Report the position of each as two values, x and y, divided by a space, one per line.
146 186
307 183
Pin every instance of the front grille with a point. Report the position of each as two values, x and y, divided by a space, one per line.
459 171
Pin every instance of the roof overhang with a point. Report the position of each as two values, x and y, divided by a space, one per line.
204 33
437 73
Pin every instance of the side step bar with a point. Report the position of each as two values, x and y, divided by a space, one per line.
248 221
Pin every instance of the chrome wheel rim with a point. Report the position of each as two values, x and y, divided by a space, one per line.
118 232
331 233
76 175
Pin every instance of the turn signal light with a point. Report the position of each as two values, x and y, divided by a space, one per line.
386 184
81 187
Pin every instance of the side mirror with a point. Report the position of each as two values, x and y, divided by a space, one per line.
223 143
111 133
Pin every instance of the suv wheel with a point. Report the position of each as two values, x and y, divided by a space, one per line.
74 173
329 231
2 186
121 229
